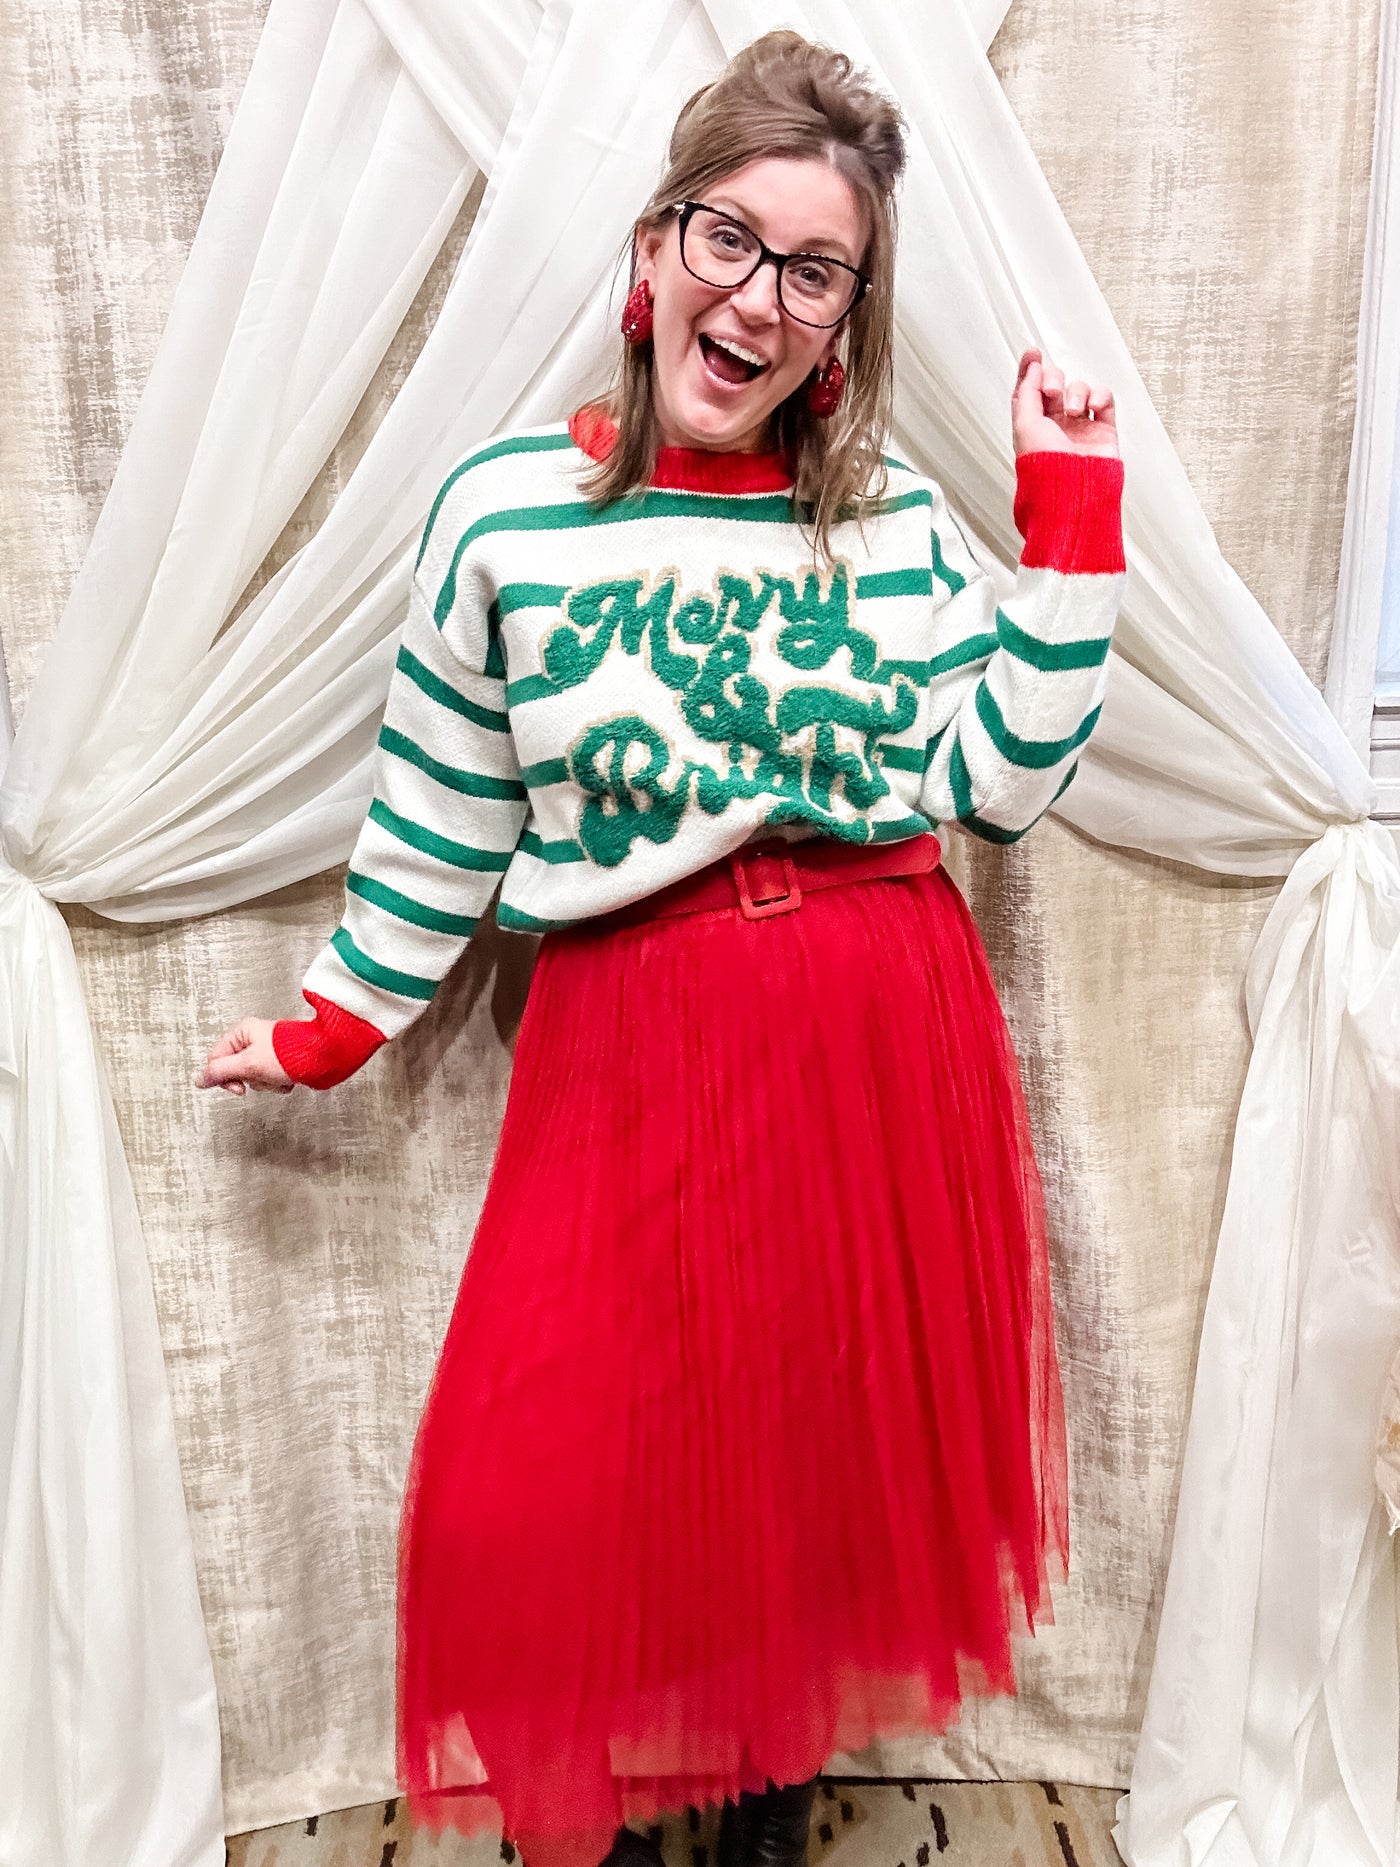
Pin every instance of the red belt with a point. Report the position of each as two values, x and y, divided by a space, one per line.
771 877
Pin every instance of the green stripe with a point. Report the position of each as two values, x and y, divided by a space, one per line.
1033 754
915 581
1051 657
405 908
509 598
513 596
518 444
578 515
459 855
437 689
902 758
405 984
962 798
975 648
990 832
903 502
1064 784
960 782
899 830
954 579
469 783
546 771
516 920
530 687
534 845
931 749
893 460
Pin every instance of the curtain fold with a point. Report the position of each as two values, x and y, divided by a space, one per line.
179 754
336 190
1273 1715
109 1735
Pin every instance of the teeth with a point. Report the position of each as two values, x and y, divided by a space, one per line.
737 350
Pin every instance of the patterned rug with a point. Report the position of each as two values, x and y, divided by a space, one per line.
855 1824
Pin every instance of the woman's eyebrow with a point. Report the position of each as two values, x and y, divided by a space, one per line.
727 204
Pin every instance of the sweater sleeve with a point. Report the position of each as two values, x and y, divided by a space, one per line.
1015 689
448 807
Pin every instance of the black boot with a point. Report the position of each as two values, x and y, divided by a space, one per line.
629 1849
767 1829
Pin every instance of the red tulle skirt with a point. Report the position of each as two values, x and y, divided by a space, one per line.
745 1444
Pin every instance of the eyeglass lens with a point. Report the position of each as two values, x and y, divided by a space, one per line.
724 252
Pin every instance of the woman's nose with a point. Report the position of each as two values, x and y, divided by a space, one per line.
757 298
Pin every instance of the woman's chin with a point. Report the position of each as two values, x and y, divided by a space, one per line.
701 424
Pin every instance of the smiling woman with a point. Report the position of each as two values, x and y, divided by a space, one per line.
785 159
764 1226
731 310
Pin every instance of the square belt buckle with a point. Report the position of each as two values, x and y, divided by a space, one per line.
756 909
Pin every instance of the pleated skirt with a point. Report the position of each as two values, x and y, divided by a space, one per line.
745 1444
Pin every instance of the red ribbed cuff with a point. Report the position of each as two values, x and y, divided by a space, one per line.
1069 511
322 1051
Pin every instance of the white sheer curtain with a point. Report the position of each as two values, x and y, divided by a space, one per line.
170 762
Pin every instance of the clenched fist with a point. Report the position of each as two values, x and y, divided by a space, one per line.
245 1060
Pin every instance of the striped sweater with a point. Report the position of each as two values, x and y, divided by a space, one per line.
590 703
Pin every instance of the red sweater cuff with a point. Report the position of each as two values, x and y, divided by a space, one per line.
322 1051
1069 511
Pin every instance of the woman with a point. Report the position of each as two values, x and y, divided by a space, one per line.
745 1444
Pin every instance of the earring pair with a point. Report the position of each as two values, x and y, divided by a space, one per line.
824 386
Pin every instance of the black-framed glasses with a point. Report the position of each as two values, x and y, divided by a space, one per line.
721 251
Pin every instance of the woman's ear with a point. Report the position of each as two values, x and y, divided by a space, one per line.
646 244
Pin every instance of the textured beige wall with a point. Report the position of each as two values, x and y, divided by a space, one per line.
1214 163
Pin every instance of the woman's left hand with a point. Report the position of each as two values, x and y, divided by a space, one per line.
1049 414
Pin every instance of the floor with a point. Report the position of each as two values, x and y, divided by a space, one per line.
855 1824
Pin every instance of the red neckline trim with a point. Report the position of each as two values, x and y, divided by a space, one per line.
687 469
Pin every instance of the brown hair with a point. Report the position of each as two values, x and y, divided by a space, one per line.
784 96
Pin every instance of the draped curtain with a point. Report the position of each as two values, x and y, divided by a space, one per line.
188 745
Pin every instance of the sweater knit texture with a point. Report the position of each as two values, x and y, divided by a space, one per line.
590 703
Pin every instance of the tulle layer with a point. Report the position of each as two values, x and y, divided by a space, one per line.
745 1444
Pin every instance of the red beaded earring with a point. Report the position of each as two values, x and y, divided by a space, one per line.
636 313
824 389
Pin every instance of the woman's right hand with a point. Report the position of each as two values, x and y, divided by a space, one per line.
245 1060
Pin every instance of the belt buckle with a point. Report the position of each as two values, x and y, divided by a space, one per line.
784 903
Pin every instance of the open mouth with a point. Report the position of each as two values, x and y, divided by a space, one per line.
724 365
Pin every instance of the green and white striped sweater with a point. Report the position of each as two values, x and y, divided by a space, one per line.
591 703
